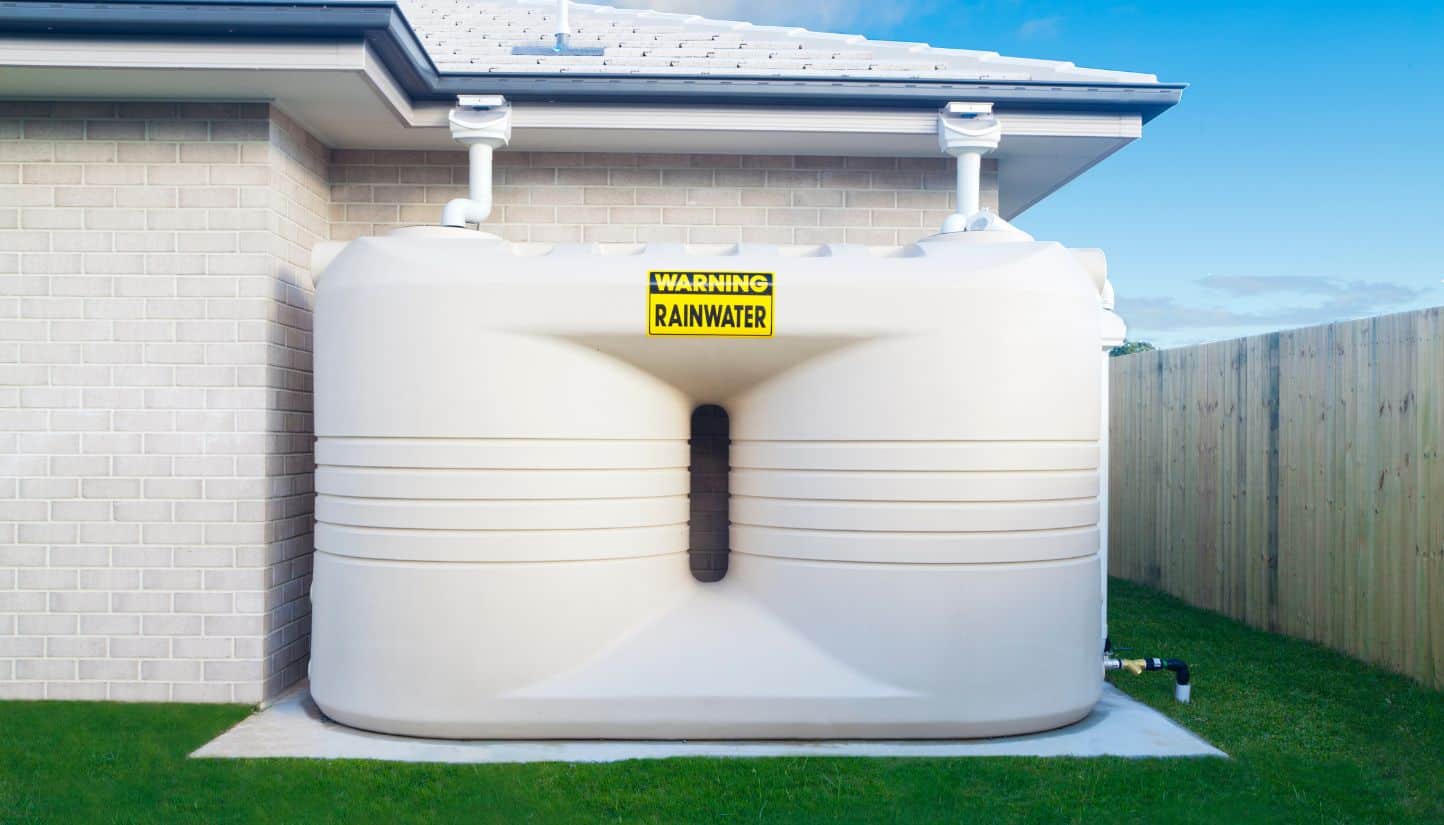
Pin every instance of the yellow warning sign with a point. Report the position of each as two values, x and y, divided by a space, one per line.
709 303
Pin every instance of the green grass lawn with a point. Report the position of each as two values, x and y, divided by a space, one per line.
1315 737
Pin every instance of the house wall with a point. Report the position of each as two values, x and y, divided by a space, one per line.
154 399
553 197
155 374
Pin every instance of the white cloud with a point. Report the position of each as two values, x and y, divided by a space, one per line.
1261 303
1040 28
823 15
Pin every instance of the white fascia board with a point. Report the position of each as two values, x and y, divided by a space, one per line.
653 118
106 53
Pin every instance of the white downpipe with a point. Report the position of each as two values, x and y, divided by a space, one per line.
970 182
483 123
476 207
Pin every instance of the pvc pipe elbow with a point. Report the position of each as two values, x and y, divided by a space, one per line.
461 211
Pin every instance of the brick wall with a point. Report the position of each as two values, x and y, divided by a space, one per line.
155 339
154 399
556 197
299 194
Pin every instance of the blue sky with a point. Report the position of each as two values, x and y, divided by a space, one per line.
1300 181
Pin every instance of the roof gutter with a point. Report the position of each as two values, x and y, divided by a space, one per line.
381 24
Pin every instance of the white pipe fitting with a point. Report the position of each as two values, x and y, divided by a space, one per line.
483 123
477 207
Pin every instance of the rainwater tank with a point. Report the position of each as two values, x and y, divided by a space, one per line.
503 473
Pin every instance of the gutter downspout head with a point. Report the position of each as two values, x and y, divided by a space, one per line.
483 124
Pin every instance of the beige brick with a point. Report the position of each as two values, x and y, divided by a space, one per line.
713 196
555 195
44 670
557 233
660 197
871 199
51 174
85 196
714 234
139 692
147 152
75 647
582 177
213 153
741 216
204 197
587 215
110 669
177 130
75 691
97 218
170 670
609 234
871 237
792 217
633 178
844 217
766 197
529 214
21 690
87 152
26 151
114 130
147 197
609 196
43 218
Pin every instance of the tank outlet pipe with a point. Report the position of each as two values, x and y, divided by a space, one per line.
967 131
1182 685
483 124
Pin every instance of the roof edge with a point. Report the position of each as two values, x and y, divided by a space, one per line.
381 24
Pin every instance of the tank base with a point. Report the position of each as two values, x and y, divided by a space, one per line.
637 649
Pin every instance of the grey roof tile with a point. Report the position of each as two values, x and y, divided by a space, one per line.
479 35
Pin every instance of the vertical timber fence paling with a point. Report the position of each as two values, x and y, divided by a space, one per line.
1294 481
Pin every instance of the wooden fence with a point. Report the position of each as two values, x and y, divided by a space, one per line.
1294 481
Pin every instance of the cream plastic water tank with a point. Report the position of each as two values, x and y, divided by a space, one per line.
502 480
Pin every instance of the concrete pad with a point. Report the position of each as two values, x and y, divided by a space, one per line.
293 727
